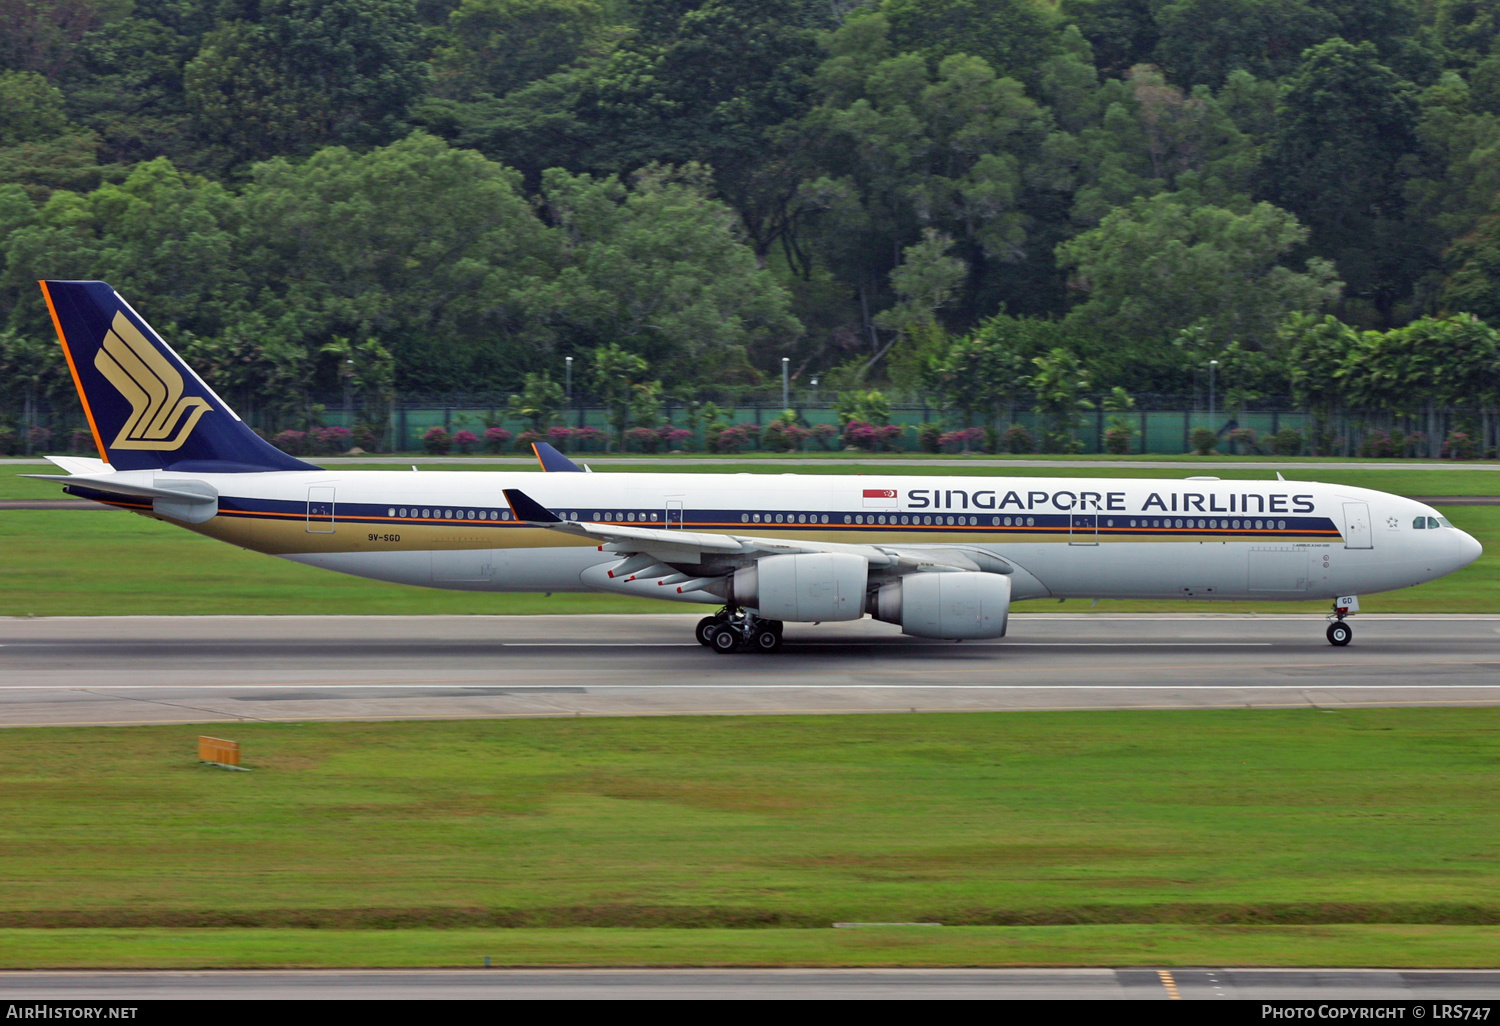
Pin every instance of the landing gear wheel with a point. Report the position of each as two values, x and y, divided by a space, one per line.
726 640
768 640
1340 634
706 628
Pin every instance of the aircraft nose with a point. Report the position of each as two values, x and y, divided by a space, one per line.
1469 548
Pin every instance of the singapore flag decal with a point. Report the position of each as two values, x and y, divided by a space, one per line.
881 498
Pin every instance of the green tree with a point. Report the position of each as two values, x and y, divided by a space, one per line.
896 146
1348 126
368 371
537 403
1011 36
616 372
306 73
925 282
164 238
39 146
1203 41
1473 282
1159 266
497 46
1059 385
974 373
663 269
445 274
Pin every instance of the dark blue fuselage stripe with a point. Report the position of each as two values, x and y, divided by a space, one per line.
832 522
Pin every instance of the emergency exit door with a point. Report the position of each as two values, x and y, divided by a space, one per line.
320 509
1083 529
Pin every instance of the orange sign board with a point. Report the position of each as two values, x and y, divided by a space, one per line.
216 749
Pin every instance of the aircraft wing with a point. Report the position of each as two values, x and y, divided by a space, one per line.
697 558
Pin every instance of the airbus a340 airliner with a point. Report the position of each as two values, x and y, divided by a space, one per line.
943 557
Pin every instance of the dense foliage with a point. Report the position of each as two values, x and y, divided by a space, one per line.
973 199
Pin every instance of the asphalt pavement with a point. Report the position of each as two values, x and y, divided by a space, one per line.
103 670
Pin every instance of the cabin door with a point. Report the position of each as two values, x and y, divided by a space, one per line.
1357 526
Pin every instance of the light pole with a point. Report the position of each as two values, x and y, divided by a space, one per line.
348 391
815 388
786 364
568 376
1212 366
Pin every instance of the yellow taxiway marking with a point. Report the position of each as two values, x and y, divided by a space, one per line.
1170 984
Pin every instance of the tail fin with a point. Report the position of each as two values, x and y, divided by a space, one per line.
147 408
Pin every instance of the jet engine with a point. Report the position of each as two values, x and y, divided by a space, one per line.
805 587
945 605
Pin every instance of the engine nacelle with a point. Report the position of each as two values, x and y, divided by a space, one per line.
806 587
946 605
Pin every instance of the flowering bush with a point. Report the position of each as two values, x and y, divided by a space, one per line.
1018 440
1117 440
39 436
825 434
525 440
437 441
559 437
954 441
293 443
860 435
1203 440
330 440
465 440
365 437
590 438
1287 442
1460 445
1243 440
733 439
1414 445
495 438
673 437
82 440
1379 445
643 439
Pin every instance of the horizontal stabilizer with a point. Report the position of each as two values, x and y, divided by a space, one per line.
190 492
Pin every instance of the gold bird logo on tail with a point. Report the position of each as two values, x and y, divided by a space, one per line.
152 386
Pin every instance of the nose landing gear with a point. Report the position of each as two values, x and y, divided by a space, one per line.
1339 632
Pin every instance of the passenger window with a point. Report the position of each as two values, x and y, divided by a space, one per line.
1420 523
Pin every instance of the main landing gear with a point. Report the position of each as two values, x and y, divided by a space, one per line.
729 630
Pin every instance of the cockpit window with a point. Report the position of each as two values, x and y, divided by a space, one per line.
1441 522
1420 523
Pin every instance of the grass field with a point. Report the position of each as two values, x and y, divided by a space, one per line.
1271 837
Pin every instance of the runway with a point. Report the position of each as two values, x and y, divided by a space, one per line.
1302 985
121 670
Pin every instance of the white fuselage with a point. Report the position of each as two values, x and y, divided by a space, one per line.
1087 538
